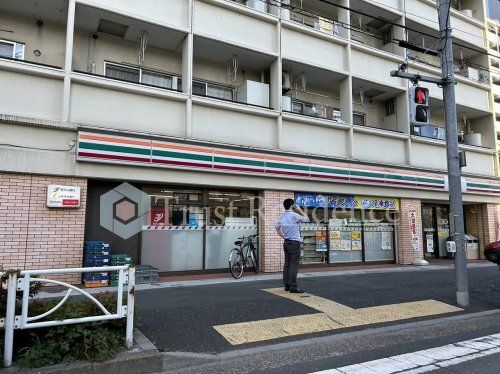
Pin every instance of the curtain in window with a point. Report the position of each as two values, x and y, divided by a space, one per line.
123 73
6 49
19 53
156 79
199 88
219 92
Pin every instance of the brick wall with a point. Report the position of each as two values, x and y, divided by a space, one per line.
272 255
483 222
406 252
33 236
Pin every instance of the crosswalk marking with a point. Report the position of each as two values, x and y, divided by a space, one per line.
332 316
425 360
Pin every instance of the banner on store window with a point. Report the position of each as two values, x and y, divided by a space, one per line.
337 201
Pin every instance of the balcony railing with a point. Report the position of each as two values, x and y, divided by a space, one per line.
462 68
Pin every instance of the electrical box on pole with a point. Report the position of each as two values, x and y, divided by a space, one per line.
419 106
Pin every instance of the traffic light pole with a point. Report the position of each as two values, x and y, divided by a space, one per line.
447 82
452 152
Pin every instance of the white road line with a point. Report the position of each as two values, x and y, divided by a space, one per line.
425 360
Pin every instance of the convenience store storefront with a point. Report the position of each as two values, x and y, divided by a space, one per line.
184 229
348 228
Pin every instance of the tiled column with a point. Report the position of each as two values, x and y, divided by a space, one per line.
33 236
406 252
271 244
491 213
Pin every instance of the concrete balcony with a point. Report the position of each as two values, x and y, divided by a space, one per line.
236 24
468 93
374 65
431 154
233 123
171 13
467 26
104 102
33 90
368 144
303 44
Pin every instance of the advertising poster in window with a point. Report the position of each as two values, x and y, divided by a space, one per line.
430 242
386 240
321 241
356 244
335 243
346 245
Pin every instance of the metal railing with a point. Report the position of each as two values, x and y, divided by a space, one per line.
126 275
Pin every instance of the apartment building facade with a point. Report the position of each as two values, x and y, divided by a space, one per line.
217 110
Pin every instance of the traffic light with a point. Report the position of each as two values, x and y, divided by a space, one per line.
419 106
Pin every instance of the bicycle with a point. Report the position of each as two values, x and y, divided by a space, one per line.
240 256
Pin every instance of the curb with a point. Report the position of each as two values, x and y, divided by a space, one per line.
144 357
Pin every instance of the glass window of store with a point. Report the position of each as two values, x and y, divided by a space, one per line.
436 230
194 229
347 228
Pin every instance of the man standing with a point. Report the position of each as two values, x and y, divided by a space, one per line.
288 228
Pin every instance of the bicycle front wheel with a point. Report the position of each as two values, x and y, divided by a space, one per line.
236 263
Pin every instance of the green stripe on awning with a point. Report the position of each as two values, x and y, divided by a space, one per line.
114 148
286 166
360 173
428 180
239 161
330 171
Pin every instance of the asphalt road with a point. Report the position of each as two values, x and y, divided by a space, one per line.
182 319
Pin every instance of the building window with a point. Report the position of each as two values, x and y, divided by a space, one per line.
156 79
213 90
11 49
359 118
138 75
316 110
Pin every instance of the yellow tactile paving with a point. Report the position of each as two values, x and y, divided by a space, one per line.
333 316
338 312
395 312
249 332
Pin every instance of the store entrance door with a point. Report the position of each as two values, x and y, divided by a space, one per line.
436 230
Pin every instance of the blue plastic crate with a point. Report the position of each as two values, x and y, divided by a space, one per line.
94 277
96 245
95 263
92 256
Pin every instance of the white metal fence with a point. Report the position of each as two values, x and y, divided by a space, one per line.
126 275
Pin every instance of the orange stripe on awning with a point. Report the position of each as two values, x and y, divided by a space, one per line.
115 140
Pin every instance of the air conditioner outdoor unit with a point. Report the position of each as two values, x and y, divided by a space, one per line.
286 81
473 74
259 5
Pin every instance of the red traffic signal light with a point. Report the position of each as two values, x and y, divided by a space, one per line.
421 95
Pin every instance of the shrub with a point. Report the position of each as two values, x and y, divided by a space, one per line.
97 342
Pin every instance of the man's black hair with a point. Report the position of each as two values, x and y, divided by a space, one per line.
287 204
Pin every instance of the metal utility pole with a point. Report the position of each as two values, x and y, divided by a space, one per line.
452 152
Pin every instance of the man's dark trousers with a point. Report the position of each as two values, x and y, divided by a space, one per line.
291 265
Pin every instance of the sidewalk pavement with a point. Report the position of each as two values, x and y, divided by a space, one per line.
250 276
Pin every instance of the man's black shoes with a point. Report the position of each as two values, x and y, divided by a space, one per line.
296 290
287 287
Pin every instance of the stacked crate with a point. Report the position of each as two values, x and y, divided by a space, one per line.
118 260
96 254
